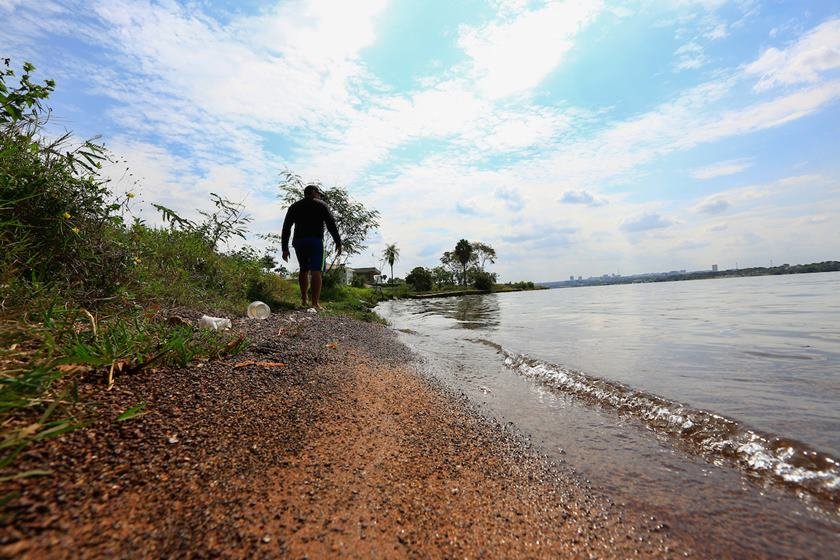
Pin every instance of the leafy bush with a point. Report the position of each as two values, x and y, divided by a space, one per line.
420 278
180 268
332 282
57 217
484 280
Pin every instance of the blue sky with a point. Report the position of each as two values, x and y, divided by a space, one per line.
578 137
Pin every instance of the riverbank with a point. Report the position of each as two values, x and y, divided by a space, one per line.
316 441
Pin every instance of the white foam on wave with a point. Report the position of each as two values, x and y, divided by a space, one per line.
710 434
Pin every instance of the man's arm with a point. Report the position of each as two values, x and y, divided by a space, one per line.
332 228
287 231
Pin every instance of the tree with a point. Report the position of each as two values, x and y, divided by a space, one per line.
420 278
452 266
228 221
353 219
463 252
268 262
21 107
442 276
391 254
484 253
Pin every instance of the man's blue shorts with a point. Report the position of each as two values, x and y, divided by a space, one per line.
310 254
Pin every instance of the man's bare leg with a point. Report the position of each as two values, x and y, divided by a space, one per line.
303 280
316 289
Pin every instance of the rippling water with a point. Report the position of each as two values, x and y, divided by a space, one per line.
713 401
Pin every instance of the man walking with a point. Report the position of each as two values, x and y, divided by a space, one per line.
309 216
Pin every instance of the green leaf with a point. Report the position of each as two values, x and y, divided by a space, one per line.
55 430
133 412
8 498
25 474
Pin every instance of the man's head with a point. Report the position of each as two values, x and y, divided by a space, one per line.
312 191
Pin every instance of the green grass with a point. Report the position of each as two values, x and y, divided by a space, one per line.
44 354
339 299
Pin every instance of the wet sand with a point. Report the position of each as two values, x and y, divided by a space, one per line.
342 451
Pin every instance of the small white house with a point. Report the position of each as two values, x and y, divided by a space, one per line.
368 275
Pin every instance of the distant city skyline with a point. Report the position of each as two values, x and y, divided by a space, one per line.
713 268
683 274
574 137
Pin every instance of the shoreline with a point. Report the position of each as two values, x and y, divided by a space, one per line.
342 451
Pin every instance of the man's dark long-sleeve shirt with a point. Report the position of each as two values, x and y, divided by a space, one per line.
309 216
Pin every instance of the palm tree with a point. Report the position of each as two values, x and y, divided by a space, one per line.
391 254
463 252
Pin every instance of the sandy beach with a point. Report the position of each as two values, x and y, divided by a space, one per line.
319 441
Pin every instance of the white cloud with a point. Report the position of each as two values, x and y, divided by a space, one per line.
721 169
581 197
713 205
540 235
741 197
264 71
688 121
690 57
815 52
506 131
710 5
719 31
645 222
511 198
515 55
9 5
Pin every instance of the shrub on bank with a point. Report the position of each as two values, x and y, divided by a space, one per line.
57 217
420 279
176 267
484 280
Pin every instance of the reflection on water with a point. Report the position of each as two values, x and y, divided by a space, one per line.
469 312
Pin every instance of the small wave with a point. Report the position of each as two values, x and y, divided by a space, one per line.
759 354
716 437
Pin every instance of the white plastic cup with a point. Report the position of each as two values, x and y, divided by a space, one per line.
258 310
214 323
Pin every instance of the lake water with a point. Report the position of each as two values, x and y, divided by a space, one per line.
714 403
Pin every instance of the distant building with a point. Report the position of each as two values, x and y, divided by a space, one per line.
572 277
369 275
714 268
580 277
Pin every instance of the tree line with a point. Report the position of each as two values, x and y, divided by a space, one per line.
464 265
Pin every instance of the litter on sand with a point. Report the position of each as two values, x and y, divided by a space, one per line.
258 310
214 323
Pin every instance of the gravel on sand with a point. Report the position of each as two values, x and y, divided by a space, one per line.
318 441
